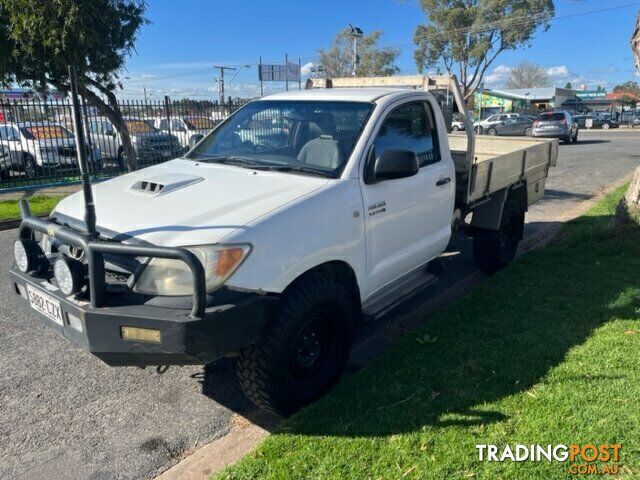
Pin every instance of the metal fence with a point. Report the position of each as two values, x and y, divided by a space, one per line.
38 148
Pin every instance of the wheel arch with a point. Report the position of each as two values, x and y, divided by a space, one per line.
338 270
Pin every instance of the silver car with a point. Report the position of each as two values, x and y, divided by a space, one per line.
556 125
484 125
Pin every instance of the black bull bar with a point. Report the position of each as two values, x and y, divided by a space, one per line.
95 249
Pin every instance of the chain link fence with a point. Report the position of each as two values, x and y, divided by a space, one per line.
38 148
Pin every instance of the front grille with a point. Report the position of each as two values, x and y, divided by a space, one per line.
67 151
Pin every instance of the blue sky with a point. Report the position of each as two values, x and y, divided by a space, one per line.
176 52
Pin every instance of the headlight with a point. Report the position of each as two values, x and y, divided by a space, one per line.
69 275
162 276
26 254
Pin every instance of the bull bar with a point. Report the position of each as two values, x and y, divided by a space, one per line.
95 249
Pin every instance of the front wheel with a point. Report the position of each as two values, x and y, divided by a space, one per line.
493 250
605 126
303 352
528 132
455 128
29 167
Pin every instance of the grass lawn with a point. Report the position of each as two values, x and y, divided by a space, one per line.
39 206
547 351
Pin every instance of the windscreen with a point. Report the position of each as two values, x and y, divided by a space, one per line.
552 117
200 123
46 132
308 137
138 126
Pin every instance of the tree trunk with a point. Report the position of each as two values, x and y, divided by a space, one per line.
111 110
628 210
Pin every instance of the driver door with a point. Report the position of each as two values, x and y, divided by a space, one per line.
407 220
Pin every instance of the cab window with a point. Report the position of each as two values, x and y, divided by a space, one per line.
410 127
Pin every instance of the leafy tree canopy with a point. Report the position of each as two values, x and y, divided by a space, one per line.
374 60
40 39
628 87
466 36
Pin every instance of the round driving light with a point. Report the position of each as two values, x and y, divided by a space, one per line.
26 254
68 274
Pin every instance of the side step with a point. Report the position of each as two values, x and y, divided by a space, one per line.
402 289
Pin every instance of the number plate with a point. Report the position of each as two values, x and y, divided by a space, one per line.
45 304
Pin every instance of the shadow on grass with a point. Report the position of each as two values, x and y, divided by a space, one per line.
500 340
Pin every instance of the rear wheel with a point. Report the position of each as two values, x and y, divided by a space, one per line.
455 128
29 166
493 250
528 132
492 132
605 126
303 352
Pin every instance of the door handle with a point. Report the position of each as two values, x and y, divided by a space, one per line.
443 181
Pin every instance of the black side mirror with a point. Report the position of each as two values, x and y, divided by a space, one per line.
394 164
195 139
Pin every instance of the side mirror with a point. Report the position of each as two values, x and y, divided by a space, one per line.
394 164
195 139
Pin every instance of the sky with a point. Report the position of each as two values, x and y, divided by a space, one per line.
588 42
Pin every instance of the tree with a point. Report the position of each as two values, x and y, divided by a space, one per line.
39 40
375 61
466 36
630 87
628 210
569 86
528 75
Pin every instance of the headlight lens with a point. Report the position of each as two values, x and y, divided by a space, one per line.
162 276
68 274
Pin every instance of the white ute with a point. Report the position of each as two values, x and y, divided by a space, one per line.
334 208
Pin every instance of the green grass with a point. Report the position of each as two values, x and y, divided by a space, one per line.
39 206
547 351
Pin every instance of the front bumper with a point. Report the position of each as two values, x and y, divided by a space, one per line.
184 340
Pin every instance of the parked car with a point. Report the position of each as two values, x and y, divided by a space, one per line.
150 144
457 125
482 126
520 125
597 121
557 124
42 148
5 162
188 130
275 251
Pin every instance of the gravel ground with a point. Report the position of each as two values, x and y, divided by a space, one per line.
64 414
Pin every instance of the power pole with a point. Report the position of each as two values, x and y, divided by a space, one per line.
221 80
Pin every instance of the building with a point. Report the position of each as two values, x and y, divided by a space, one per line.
488 102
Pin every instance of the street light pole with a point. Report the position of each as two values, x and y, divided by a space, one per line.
355 33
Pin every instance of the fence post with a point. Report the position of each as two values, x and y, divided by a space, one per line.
167 112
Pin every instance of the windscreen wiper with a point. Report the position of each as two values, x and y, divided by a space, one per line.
228 160
293 168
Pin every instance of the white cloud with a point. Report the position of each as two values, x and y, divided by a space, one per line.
498 77
560 71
